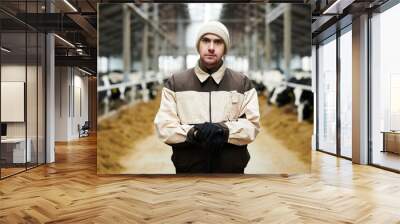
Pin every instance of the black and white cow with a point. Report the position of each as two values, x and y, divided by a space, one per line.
281 95
302 98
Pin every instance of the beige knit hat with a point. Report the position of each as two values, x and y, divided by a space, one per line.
214 27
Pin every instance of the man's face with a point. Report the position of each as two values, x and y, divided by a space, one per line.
211 49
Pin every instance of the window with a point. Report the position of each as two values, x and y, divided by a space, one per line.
385 89
22 76
346 94
327 96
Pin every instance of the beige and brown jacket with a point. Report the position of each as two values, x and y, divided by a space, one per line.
193 97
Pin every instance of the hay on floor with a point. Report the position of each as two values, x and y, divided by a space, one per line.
283 125
117 135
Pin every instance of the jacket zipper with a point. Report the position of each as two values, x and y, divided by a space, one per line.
210 105
209 154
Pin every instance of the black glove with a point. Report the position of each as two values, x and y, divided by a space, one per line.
191 136
199 134
220 137
211 135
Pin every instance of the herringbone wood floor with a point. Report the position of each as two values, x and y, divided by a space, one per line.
69 191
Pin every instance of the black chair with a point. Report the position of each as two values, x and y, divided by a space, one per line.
84 130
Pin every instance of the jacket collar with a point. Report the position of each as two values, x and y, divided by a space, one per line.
217 75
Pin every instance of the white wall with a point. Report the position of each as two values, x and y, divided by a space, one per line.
71 94
80 110
62 81
12 73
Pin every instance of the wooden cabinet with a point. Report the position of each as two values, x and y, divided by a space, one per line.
391 141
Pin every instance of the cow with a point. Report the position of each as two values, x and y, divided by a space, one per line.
304 101
281 95
302 98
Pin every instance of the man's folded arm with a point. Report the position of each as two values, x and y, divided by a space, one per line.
167 123
244 130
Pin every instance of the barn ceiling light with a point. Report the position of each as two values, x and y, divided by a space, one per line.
70 5
5 50
84 71
337 7
64 40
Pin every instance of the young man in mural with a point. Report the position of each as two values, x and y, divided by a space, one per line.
209 113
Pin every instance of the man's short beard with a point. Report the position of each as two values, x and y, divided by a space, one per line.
213 65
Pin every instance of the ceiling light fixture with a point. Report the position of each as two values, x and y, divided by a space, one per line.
79 51
64 40
5 50
70 5
84 71
337 7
